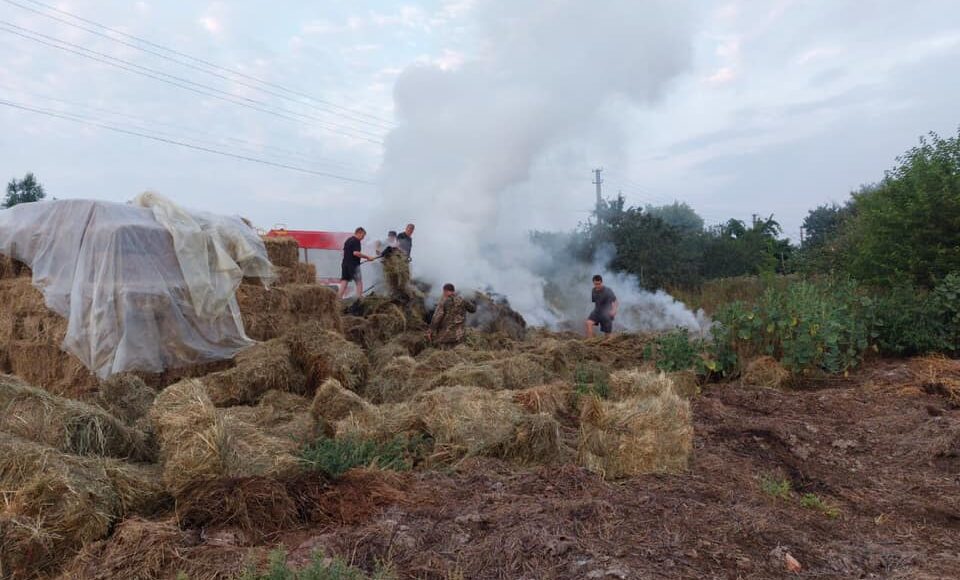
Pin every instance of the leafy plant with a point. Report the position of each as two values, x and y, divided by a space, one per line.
591 381
320 568
673 351
334 457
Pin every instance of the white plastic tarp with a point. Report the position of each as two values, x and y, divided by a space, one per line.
144 287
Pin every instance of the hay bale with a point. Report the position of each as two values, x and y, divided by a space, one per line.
396 274
550 399
325 354
126 397
628 383
685 383
637 435
199 444
265 312
67 425
56 502
255 505
332 402
536 440
382 355
472 375
396 382
11 268
522 371
261 368
388 322
137 549
313 302
299 273
278 414
282 250
766 371
465 421
358 331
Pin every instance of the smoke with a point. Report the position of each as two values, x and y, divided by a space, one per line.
472 142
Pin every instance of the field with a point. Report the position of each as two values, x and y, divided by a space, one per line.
345 446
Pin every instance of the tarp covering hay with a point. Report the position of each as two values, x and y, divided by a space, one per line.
332 402
765 371
634 436
67 425
143 286
325 354
628 383
199 444
55 503
264 367
282 250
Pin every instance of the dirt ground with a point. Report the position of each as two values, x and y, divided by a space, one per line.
880 449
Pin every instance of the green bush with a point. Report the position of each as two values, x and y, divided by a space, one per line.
908 320
808 326
334 457
674 351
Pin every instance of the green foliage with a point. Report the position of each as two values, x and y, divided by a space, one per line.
908 228
320 568
590 381
25 190
334 457
813 501
807 326
779 488
908 320
674 351
678 215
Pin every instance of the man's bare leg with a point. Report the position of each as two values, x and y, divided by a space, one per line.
589 326
359 285
343 289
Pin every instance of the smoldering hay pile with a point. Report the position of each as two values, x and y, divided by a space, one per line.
218 447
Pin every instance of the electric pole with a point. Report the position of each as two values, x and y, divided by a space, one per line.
598 181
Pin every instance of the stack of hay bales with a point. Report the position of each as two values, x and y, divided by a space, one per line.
646 428
55 503
31 335
324 354
200 444
67 425
270 313
261 368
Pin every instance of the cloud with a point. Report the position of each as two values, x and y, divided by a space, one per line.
722 76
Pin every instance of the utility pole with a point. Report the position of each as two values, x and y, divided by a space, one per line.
598 181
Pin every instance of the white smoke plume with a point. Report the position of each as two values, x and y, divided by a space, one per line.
469 140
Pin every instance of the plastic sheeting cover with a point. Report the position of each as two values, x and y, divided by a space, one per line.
115 273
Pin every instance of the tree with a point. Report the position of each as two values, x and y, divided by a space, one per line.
26 190
908 228
678 215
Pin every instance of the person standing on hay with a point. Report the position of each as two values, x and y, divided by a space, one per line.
448 327
604 309
350 267
405 240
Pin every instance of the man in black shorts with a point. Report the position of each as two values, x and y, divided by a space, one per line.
350 267
604 309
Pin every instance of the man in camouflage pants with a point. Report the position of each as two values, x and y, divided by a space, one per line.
448 325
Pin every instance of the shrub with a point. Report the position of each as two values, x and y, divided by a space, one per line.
674 351
780 488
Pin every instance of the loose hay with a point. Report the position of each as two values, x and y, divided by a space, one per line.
332 402
67 425
766 371
472 375
282 250
255 505
137 549
396 382
637 435
550 399
522 371
199 444
625 384
261 368
325 354
536 440
685 383
469 421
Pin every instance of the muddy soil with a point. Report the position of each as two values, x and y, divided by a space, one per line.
879 453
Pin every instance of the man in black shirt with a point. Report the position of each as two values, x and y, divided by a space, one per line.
604 309
350 267
405 240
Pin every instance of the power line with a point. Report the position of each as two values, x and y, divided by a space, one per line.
145 125
183 83
345 111
81 120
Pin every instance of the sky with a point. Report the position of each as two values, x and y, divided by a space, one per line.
494 113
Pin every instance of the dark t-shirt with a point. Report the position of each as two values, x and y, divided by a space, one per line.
405 243
604 299
349 247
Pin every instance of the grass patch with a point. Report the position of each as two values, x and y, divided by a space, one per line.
321 568
590 382
813 501
334 457
773 487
